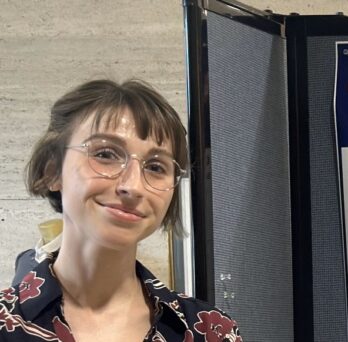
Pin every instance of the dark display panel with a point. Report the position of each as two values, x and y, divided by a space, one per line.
329 277
250 178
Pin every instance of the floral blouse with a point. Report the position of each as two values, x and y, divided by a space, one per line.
32 312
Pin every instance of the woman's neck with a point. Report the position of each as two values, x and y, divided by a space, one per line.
95 276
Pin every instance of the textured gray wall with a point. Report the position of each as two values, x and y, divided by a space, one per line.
47 47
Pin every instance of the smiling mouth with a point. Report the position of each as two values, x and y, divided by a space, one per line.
122 213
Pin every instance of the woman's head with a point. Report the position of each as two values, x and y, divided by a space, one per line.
104 102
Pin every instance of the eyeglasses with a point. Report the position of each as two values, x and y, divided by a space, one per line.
108 159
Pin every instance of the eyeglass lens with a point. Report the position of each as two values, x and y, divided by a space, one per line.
110 159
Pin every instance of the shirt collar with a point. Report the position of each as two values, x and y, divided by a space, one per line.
39 288
167 307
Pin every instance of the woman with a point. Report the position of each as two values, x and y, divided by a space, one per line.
110 162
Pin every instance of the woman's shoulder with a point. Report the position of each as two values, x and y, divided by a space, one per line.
206 319
198 318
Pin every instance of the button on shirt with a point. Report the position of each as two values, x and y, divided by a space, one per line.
32 311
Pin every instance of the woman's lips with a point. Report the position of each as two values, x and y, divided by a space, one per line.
122 213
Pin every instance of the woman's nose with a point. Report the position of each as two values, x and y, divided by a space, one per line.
130 183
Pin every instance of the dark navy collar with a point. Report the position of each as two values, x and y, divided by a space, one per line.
40 288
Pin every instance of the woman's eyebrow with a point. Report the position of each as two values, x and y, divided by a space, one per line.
158 150
123 142
110 137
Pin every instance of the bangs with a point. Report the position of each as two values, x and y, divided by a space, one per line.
150 121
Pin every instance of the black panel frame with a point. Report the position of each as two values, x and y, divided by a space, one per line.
300 181
199 137
247 15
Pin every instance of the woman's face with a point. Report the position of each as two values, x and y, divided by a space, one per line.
112 212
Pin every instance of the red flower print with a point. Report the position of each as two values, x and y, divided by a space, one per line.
62 330
6 320
215 326
30 287
7 295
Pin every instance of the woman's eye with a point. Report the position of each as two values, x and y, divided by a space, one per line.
107 154
156 167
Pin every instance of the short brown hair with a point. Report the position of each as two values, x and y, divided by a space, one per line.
153 116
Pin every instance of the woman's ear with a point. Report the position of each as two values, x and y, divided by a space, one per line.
55 185
53 178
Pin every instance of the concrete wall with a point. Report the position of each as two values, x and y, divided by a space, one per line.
46 47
